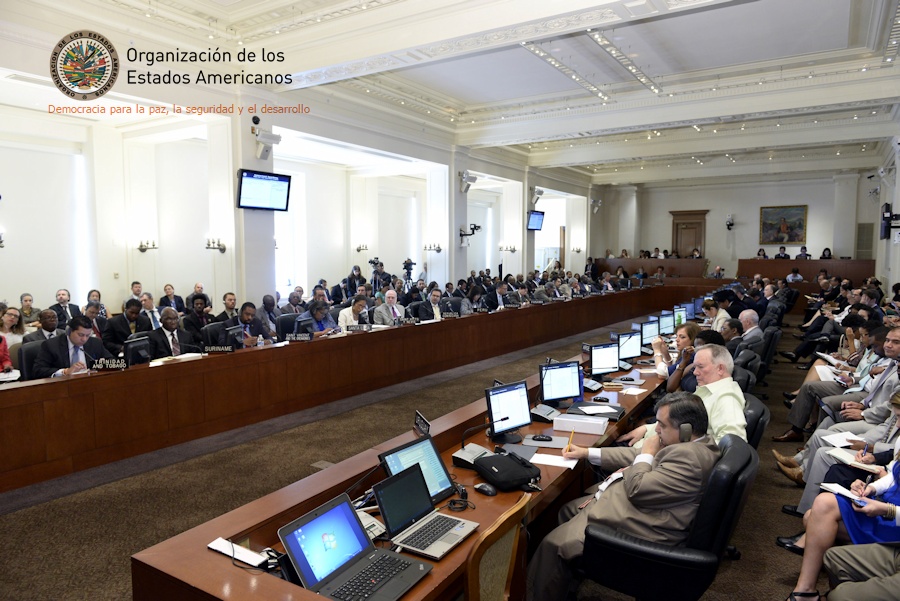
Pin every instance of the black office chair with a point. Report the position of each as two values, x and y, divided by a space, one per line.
412 309
757 416
28 352
210 333
451 304
745 378
771 338
773 316
335 312
623 562
285 325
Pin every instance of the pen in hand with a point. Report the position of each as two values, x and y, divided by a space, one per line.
866 450
570 440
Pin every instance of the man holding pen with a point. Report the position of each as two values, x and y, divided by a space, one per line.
655 497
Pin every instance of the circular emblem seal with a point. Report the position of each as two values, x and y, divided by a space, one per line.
84 65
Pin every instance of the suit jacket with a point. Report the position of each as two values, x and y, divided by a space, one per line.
61 314
733 344
383 316
54 355
426 313
782 256
223 316
261 315
256 329
192 325
177 304
656 501
289 308
101 323
491 301
338 294
753 336
118 329
459 293
159 343
39 335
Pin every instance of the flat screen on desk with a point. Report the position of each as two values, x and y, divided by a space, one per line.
680 315
604 358
560 381
649 332
689 310
535 220
136 350
698 305
508 401
261 190
423 453
629 345
667 323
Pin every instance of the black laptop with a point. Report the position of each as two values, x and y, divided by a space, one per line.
333 556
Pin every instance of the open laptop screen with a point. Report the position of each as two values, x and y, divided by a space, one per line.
403 499
423 453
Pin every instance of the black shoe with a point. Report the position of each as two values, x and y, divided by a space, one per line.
821 339
798 336
788 355
788 404
791 510
789 543
803 328
789 395
805 366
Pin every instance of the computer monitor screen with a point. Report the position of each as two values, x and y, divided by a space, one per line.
689 310
649 332
667 323
698 305
261 190
235 336
137 351
560 381
680 315
629 345
535 220
424 453
604 358
508 403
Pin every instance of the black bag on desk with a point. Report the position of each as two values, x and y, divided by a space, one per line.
508 472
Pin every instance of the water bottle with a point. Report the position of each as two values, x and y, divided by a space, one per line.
259 340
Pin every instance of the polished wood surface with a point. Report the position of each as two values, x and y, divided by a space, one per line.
854 269
53 427
688 268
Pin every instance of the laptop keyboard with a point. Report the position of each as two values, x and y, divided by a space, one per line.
430 532
372 578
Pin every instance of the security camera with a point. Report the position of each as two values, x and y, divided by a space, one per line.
255 120
729 221
270 139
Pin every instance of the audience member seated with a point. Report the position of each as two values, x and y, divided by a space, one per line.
322 323
136 290
197 318
782 254
149 310
98 323
63 308
230 301
12 327
430 310
684 338
472 302
251 329
94 295
170 340
761 254
120 327
717 273
269 313
340 292
390 312
198 292
750 320
826 254
695 254
733 334
654 498
170 299
495 299
716 316
728 301
30 313
683 378
295 304
48 329
606 284
794 276
354 314
74 353
461 288
660 273
803 254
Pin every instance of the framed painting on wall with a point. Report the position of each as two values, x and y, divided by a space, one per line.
782 225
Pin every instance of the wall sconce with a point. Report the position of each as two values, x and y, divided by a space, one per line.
215 244
433 247
507 249
146 245
595 205
536 194
576 250
362 247
466 180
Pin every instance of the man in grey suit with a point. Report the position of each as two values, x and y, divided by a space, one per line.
48 329
388 312
750 320
655 498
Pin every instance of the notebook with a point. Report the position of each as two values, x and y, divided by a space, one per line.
411 520
331 552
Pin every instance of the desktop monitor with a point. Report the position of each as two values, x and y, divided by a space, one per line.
508 403
423 453
689 310
560 381
667 323
234 336
698 305
680 316
629 345
604 358
535 220
649 332
262 190
136 350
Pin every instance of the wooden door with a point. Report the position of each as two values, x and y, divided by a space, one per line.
689 232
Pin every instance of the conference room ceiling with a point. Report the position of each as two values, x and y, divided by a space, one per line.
621 90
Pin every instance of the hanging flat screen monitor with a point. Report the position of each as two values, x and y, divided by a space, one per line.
649 332
560 381
604 358
535 220
680 315
667 323
629 345
261 190
508 403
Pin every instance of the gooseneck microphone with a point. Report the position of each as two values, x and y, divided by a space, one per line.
468 431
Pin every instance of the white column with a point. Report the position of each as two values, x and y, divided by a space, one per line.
844 217
437 225
628 220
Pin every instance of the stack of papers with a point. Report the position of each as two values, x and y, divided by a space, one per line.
849 458
841 439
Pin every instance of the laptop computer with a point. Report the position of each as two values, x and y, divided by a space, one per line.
423 452
411 520
333 556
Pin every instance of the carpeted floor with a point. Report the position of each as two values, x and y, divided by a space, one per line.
77 546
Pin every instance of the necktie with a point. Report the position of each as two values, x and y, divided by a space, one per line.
499 300
437 314
50 334
95 328
132 327
394 311
176 348
153 317
77 357
68 312
888 371
890 429
246 331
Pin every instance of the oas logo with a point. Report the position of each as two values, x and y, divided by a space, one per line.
84 65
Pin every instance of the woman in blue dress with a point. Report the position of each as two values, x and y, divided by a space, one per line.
836 518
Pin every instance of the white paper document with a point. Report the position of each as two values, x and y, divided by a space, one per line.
557 460
849 458
633 391
841 439
838 490
598 409
826 374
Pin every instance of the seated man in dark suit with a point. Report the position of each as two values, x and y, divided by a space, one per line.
169 340
520 295
733 333
120 327
655 498
430 310
230 302
781 254
462 288
198 292
495 299
251 326
48 329
196 319
73 353
295 304
64 310
98 322
269 313
606 284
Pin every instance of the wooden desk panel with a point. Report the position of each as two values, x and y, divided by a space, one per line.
83 421
854 269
